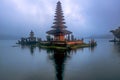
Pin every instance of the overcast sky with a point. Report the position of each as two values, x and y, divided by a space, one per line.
83 17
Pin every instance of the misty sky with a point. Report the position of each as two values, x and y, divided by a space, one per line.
83 17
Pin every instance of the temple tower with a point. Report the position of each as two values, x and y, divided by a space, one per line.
31 34
32 38
59 29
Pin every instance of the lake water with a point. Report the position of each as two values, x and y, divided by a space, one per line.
33 63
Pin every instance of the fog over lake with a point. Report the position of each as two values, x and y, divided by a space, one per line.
32 63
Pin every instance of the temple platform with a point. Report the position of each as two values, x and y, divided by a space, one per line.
66 44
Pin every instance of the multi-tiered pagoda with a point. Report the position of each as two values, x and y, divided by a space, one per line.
59 29
58 37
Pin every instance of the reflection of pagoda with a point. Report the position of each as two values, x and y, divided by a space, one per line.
59 59
59 30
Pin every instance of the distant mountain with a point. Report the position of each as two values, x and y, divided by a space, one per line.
106 36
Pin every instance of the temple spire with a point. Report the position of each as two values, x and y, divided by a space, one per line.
58 30
31 34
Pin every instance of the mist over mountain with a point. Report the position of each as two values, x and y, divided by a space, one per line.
105 36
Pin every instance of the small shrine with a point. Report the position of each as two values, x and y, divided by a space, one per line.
32 38
28 40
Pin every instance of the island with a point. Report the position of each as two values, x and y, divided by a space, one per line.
58 37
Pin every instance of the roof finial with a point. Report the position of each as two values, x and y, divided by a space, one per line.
31 31
58 1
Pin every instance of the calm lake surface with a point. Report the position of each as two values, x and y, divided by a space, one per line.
33 63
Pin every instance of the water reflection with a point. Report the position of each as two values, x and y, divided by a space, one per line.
59 58
33 47
30 47
92 49
116 47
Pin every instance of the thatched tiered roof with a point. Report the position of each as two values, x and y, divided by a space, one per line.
59 24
